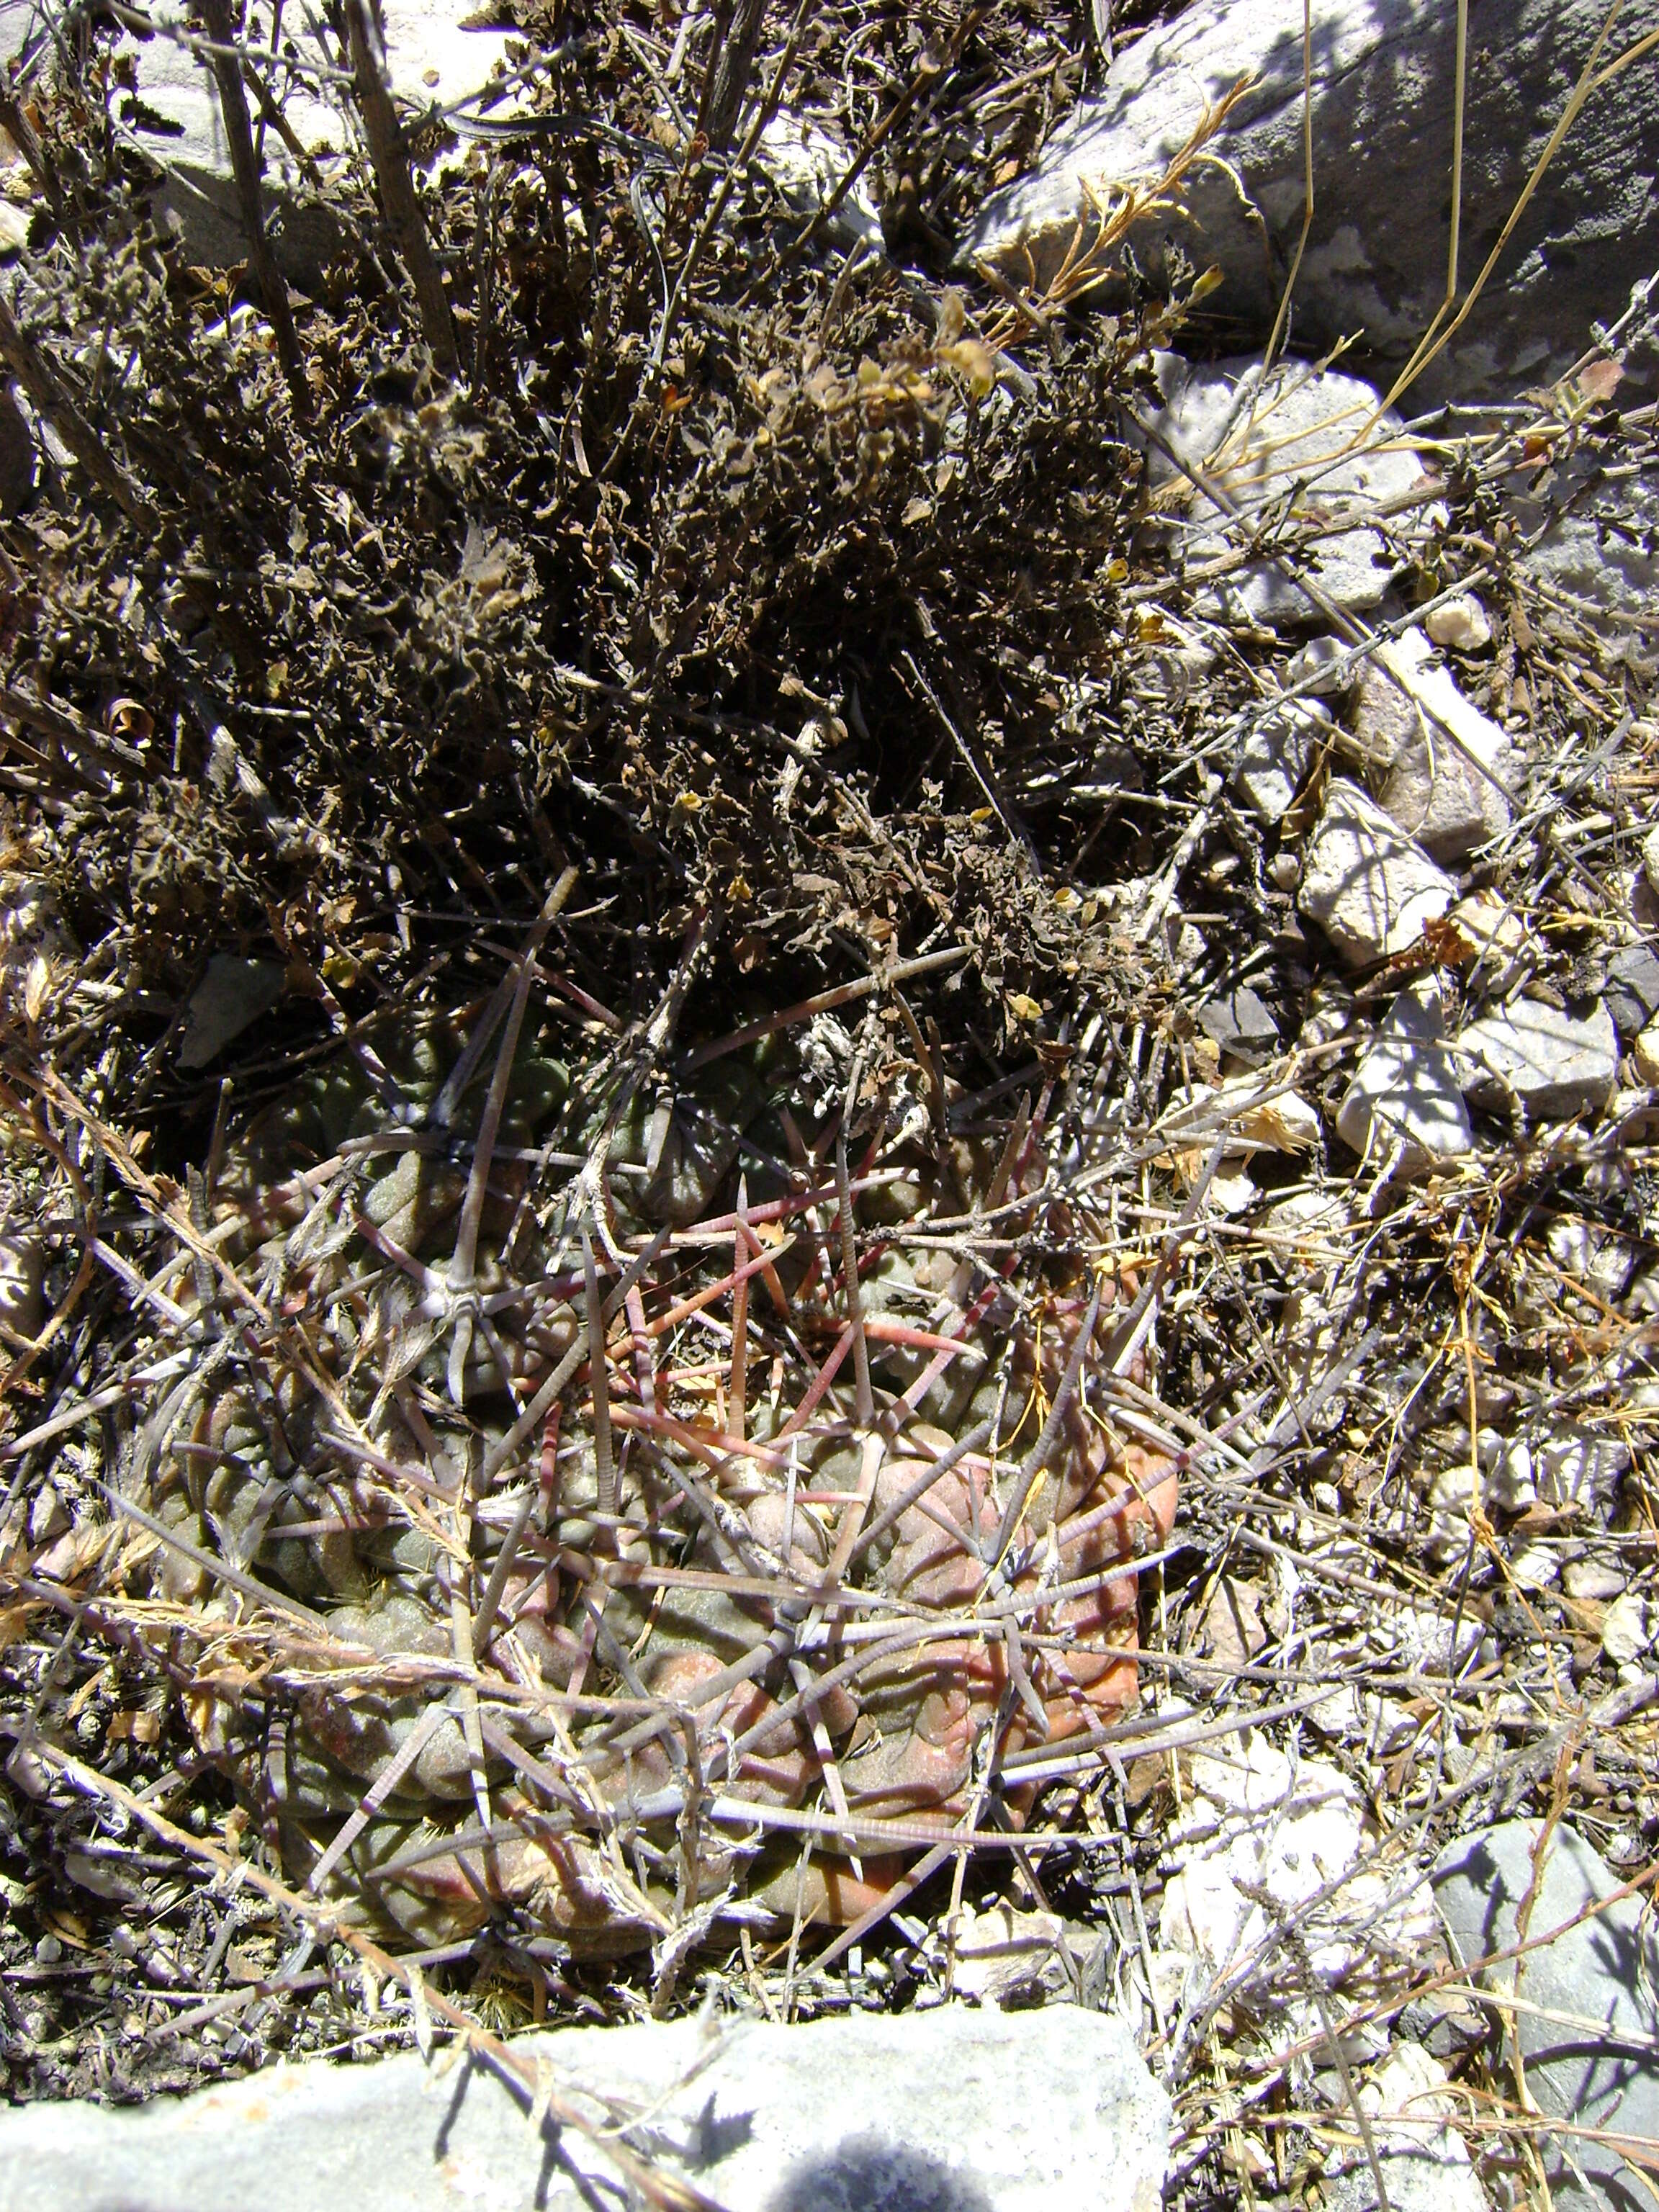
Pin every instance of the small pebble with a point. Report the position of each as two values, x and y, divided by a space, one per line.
1287 871
1317 670
1628 1629
1460 623
1592 1580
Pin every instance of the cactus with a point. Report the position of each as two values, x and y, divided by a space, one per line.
699 1496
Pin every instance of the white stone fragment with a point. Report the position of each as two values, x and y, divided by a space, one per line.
1308 1225
1425 2164
1247 1112
1302 439
1008 1957
1277 751
1556 1064
1534 1566
22 1279
1650 860
1628 1627
1022 2112
1318 669
1368 885
1405 1100
1497 934
1591 1254
1450 767
433 53
1255 1818
1591 1581
1574 1466
807 165
1460 623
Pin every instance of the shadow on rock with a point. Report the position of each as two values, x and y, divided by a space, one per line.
866 2175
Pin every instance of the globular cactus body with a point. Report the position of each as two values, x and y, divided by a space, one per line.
731 1617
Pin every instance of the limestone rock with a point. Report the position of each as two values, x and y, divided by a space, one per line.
230 998
1241 1024
1254 1820
1629 1628
23 1281
1425 2164
1404 1092
1369 887
1460 623
1599 555
1283 441
1592 1579
1277 752
1383 77
1320 668
953 2110
1631 992
1604 1971
1444 754
1556 1064
1574 1466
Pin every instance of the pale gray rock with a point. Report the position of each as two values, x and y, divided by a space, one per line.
1600 552
1556 1064
1450 765
432 60
1405 1093
439 53
1320 670
1631 991
1592 1579
1369 887
1383 77
230 998
1241 1024
1309 441
23 1281
949 2111
1602 2075
1425 2163
1574 1466
1277 751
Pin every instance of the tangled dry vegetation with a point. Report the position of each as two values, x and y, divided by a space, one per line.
723 810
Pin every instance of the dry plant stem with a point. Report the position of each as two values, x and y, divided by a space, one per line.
729 67
1283 316
710 223
402 209
667 2193
1430 345
865 1404
536 1411
462 1267
929 963
28 366
1038 1458
604 1464
245 167
16 121
924 79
